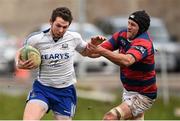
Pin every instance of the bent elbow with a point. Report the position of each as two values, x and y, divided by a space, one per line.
129 60
127 63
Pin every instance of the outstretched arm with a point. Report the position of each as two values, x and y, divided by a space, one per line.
117 58
89 53
95 41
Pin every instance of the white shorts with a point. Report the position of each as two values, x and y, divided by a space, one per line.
137 103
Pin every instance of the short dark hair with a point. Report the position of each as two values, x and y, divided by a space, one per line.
62 12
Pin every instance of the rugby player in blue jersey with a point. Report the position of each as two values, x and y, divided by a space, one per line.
54 87
136 60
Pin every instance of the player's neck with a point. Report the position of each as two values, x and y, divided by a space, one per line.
54 37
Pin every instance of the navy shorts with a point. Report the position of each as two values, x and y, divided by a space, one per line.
61 101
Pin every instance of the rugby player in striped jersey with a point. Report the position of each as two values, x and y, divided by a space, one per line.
137 66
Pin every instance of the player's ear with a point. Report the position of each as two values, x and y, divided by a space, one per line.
50 22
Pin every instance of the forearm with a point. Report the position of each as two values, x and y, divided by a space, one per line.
91 55
117 58
87 52
94 55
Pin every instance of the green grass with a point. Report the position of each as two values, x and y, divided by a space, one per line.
162 112
11 108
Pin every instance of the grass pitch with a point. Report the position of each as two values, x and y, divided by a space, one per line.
11 108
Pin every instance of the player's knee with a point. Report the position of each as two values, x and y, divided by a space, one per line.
62 117
118 112
110 116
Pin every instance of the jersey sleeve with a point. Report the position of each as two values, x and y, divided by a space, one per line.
80 43
112 43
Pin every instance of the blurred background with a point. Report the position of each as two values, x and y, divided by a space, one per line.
98 88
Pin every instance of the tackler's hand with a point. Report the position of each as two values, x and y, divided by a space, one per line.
97 40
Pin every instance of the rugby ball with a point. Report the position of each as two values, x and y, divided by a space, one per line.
28 52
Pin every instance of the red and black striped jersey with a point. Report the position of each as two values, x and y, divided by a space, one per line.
140 76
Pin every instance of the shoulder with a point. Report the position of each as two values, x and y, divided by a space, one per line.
121 33
33 38
144 37
143 40
73 34
35 35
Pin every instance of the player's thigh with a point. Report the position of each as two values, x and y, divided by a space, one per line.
126 111
34 110
121 112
